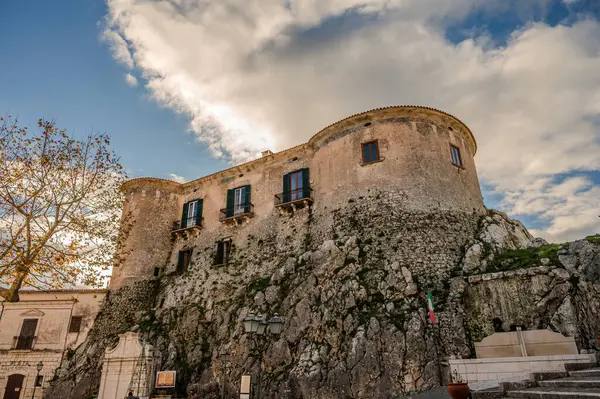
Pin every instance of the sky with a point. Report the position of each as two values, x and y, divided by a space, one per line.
188 87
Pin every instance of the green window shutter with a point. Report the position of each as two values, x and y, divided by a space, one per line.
229 206
184 214
286 188
305 183
246 198
199 212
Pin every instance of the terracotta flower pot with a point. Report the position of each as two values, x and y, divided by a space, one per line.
458 390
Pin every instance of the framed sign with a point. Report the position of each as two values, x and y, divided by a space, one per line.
165 379
245 387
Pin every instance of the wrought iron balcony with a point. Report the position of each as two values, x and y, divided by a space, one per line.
23 342
237 213
294 199
193 223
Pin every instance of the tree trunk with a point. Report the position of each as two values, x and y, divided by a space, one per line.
12 294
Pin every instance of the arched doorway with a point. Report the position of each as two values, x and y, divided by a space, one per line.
14 386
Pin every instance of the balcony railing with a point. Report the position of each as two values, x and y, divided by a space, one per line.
237 212
296 198
23 342
189 223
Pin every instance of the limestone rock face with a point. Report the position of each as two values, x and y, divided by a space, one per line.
350 285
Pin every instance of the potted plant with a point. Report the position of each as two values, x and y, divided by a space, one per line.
457 388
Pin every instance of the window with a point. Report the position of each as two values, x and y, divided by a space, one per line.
223 250
184 259
192 214
75 325
39 380
456 159
370 152
27 335
238 201
162 303
296 185
156 271
238 205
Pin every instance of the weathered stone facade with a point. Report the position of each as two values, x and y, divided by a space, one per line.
51 312
415 168
348 274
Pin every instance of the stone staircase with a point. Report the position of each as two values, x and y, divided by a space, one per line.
578 382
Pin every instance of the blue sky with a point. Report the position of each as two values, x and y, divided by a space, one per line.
55 66
210 85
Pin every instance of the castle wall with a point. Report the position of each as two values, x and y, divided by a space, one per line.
151 206
414 146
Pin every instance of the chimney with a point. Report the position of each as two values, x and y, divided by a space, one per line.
266 153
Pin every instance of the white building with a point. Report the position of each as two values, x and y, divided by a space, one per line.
35 333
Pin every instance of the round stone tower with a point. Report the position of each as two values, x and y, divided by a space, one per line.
150 208
423 154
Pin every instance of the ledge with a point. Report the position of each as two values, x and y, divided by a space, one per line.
363 164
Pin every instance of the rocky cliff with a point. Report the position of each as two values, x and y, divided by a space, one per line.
352 293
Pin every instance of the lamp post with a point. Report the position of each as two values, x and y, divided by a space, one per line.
224 357
39 368
257 327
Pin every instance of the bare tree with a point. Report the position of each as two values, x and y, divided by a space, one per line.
59 207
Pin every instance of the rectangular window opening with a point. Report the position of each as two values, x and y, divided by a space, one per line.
39 380
75 324
370 152
456 158
296 185
27 335
156 271
192 214
223 251
185 257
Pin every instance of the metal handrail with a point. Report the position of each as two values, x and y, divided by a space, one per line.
245 208
187 223
290 196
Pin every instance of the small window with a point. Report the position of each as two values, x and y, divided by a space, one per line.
238 202
39 380
162 303
223 250
456 159
184 259
75 325
156 271
192 214
370 152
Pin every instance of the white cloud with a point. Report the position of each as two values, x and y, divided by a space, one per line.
118 47
177 178
253 74
131 80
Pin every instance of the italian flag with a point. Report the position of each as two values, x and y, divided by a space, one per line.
430 307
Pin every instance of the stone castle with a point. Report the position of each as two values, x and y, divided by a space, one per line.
341 237
413 164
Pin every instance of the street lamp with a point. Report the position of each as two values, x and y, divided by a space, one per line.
224 358
39 368
258 327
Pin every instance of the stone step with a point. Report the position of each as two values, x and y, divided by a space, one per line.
572 382
556 393
580 366
595 372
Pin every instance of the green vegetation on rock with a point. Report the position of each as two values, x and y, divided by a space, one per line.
524 258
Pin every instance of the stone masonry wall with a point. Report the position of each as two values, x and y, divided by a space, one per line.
79 373
415 166
353 302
